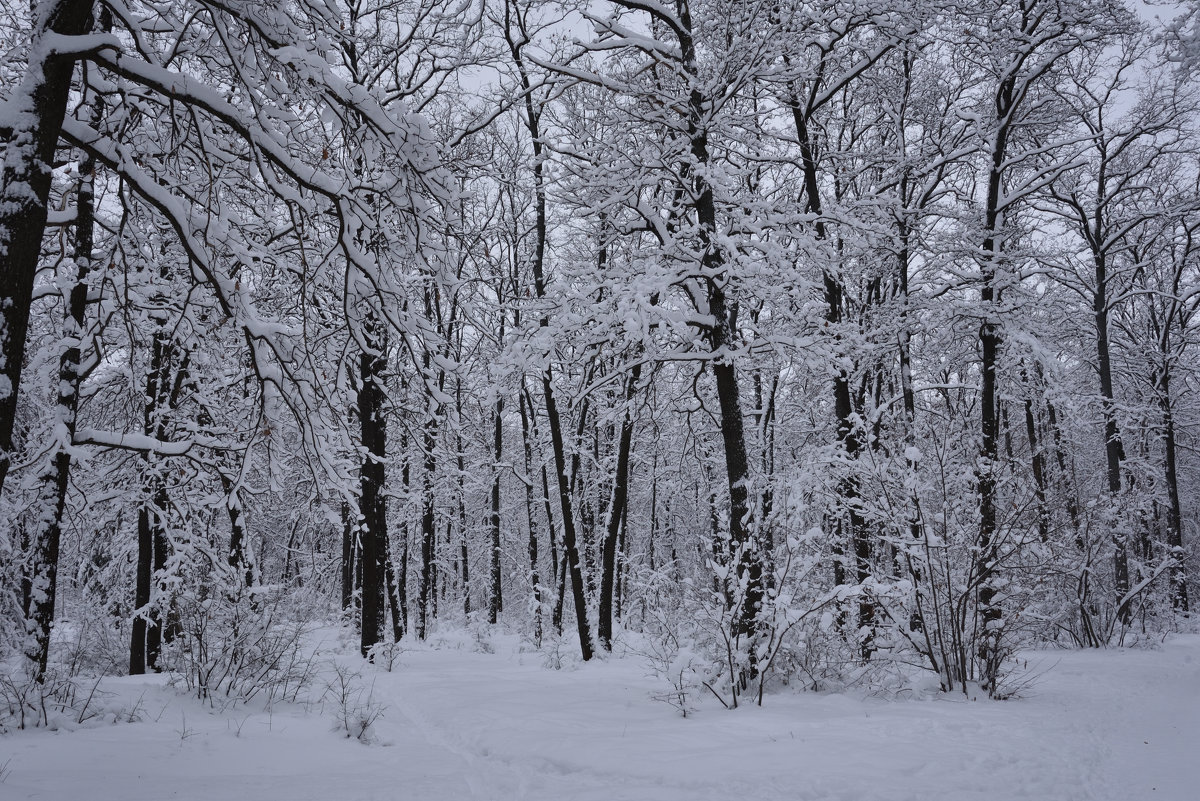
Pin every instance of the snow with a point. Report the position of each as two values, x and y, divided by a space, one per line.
457 724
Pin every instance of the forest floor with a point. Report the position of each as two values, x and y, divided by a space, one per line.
455 723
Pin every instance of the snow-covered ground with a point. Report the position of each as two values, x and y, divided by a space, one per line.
1117 724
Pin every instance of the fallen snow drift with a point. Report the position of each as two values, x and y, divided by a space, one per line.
1116 724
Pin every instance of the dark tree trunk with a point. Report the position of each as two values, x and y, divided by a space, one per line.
989 609
985 568
402 582
428 531
463 558
143 576
851 528
765 406
462 519
162 390
43 572
570 545
1177 575
622 557
372 484
393 592
1037 455
402 579
1114 450
531 520
558 567
238 557
574 484
496 602
24 191
722 340
349 556
1060 459
616 515
556 616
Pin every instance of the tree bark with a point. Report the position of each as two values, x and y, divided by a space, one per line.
985 566
496 601
349 556
850 526
1176 574
531 521
164 380
1038 465
43 572
372 483
41 98
428 532
1114 450
570 544
616 515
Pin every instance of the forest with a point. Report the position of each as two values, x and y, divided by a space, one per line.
792 343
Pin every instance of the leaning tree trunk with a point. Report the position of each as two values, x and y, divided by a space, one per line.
541 233
556 573
570 543
616 517
722 340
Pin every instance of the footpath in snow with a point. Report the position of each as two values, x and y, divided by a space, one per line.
1115 725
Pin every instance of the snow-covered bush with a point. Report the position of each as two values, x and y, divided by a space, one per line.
664 644
354 705
240 646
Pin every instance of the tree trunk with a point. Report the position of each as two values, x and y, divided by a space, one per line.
1177 574
162 390
238 558
570 546
393 592
143 575
722 340
1114 450
372 484
1038 458
985 567
496 602
616 514
531 521
25 190
349 556
43 572
851 528
622 559
428 532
